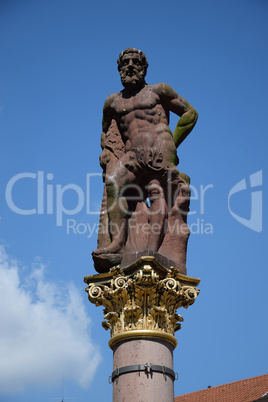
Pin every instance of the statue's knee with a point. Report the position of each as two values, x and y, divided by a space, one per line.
111 185
182 201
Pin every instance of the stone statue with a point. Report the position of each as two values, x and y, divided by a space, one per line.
146 200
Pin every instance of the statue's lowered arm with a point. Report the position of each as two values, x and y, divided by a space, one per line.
106 123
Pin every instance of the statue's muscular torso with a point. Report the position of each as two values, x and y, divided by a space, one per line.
143 120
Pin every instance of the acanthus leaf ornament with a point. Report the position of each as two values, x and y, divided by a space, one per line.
144 298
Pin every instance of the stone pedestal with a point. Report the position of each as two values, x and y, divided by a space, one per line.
140 304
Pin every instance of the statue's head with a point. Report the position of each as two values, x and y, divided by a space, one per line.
132 66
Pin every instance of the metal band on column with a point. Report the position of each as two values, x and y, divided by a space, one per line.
148 368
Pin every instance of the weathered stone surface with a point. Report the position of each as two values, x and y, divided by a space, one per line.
146 199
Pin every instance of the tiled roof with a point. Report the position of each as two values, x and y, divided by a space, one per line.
248 390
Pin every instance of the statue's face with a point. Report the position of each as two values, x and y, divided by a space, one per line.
132 71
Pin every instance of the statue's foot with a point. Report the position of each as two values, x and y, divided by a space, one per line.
113 248
98 251
103 262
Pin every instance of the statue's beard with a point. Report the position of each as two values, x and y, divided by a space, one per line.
132 81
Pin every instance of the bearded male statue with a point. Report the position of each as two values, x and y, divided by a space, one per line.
146 200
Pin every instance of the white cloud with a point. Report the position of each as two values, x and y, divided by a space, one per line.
44 330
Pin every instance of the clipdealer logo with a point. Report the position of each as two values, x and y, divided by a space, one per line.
51 200
255 221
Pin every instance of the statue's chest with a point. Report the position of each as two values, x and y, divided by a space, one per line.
142 101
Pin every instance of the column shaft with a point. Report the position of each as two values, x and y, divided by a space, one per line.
143 386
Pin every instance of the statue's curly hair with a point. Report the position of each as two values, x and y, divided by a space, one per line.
141 55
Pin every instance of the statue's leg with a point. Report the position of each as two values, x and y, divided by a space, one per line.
157 215
117 208
174 245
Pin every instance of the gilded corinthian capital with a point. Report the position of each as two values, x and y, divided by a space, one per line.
143 299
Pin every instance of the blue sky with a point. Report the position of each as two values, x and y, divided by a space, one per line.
57 66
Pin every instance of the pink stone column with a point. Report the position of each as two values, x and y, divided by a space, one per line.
142 386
